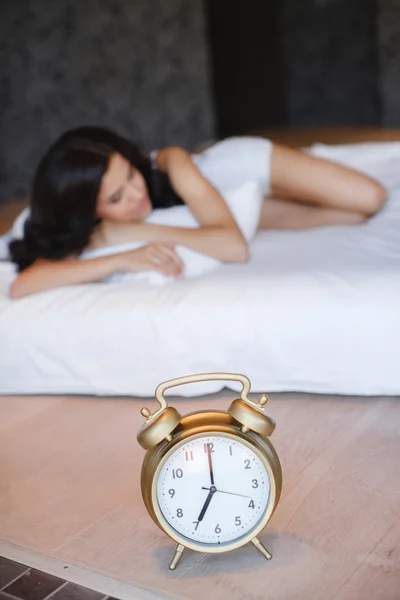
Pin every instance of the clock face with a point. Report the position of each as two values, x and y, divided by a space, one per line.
213 489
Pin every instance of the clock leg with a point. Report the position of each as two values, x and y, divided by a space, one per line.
177 556
261 548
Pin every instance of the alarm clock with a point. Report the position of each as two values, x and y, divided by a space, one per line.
210 480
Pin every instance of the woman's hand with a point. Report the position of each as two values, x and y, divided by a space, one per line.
45 274
154 257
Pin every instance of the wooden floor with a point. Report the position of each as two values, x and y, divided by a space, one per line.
70 501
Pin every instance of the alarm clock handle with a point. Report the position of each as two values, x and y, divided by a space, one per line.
202 377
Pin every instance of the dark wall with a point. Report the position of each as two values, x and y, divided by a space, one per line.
247 66
389 61
158 70
137 66
332 62
294 63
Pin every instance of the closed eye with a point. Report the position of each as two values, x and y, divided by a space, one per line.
116 198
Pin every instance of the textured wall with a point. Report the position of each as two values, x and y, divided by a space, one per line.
389 53
142 67
332 62
139 66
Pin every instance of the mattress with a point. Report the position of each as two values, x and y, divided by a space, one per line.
312 311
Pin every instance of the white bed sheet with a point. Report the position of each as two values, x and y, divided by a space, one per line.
313 311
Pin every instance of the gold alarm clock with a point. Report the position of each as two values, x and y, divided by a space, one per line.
210 479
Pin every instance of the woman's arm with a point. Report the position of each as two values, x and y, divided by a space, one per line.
45 275
219 236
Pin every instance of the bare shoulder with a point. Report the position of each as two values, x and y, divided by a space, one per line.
169 154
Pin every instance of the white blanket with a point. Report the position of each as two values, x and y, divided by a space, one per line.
314 311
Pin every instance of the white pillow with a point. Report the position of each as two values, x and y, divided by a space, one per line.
244 202
17 229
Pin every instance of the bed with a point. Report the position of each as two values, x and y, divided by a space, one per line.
312 311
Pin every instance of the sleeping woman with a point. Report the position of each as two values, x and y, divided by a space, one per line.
94 188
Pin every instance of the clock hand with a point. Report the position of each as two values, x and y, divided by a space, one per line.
206 503
231 493
210 465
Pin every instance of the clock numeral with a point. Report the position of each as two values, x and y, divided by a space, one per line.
189 455
217 529
251 504
177 474
230 450
197 524
247 463
211 447
255 483
179 513
238 521
171 492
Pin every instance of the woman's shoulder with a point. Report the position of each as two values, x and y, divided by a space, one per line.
159 157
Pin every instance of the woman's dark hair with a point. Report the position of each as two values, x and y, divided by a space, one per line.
65 188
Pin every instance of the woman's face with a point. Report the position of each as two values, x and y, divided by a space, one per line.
123 196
